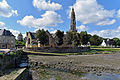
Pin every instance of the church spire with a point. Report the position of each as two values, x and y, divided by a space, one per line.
73 22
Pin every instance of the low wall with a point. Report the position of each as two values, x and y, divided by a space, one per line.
59 49
23 75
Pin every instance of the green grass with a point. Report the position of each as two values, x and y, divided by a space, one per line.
58 54
107 49
90 52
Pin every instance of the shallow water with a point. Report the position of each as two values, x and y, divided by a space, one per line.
50 74
103 76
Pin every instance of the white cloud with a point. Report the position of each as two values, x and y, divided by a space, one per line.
118 13
14 32
43 4
89 11
108 33
53 32
107 22
6 10
50 18
2 25
82 28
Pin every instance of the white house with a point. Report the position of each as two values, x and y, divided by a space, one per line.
104 43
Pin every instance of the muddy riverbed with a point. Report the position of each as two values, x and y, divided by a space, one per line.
87 67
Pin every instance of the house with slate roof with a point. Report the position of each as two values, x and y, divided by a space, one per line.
31 41
108 43
7 39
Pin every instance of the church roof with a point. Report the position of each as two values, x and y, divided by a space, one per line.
32 35
4 32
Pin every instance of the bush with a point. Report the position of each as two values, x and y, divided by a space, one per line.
1 55
19 52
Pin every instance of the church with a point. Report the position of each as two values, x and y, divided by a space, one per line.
31 40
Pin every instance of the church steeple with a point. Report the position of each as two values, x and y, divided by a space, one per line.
73 22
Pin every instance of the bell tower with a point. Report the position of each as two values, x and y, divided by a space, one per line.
73 22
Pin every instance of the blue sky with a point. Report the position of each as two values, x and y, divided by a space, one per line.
101 17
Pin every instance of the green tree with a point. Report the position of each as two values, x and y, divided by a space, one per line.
59 37
20 43
20 37
71 38
84 38
75 39
117 41
96 40
42 37
68 38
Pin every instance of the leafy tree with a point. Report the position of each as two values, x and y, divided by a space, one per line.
68 38
84 38
117 41
42 36
59 37
75 39
20 43
89 36
71 38
96 40
20 37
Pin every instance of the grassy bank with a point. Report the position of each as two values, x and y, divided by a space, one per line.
92 51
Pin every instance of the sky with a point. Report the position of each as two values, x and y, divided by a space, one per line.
100 17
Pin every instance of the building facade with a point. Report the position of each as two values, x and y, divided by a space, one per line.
7 39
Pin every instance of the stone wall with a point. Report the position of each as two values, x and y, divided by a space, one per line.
59 49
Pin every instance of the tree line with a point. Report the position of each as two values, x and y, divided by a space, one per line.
68 38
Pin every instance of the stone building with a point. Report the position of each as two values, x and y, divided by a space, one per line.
73 22
31 41
7 39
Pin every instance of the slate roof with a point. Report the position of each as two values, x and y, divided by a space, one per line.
4 32
32 35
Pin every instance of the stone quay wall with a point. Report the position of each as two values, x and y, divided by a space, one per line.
59 49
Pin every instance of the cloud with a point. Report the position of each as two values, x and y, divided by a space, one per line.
89 11
2 25
14 32
108 33
82 28
44 5
107 22
53 32
118 13
6 10
50 18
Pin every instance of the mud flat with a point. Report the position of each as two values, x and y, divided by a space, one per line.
95 65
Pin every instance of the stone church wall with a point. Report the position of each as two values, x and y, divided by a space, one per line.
59 49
